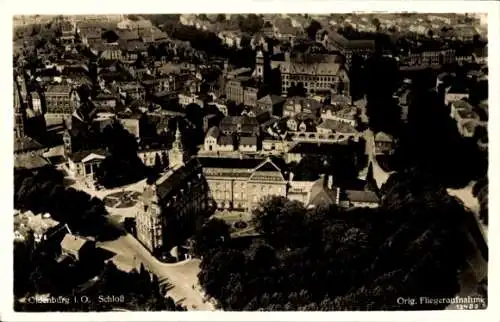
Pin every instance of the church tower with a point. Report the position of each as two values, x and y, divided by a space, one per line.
259 65
176 154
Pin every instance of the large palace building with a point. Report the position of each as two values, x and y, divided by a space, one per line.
315 72
240 184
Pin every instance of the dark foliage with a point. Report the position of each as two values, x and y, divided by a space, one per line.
123 165
312 29
44 191
214 234
333 259
38 273
431 142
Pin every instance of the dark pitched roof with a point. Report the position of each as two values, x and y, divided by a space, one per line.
248 140
173 179
321 195
79 156
361 196
207 162
25 144
225 140
30 162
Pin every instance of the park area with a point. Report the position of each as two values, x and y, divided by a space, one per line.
122 199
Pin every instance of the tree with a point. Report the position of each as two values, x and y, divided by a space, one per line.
251 24
123 165
220 17
164 160
372 256
212 235
376 23
312 29
158 166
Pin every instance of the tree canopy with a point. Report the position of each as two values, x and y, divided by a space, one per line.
328 258
44 192
123 165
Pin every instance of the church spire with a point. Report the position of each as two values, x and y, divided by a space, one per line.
176 154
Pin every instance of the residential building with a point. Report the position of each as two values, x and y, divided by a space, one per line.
297 104
60 101
162 83
340 113
343 130
273 144
359 198
314 72
272 103
68 31
384 143
172 207
27 146
149 153
455 93
225 143
84 164
334 41
211 139
186 98
77 248
235 89
323 193
131 90
247 144
111 51
431 57
244 125
250 96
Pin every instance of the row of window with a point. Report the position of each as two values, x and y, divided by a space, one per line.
310 78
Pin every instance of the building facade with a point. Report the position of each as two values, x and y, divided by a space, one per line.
240 184
314 72
172 207
60 101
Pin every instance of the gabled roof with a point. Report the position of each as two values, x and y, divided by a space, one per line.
337 126
271 99
248 140
321 195
72 243
383 137
225 140
87 155
30 161
174 178
213 132
26 143
361 196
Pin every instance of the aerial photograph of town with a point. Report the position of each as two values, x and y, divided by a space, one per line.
250 162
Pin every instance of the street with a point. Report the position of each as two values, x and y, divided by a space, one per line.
379 175
181 276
